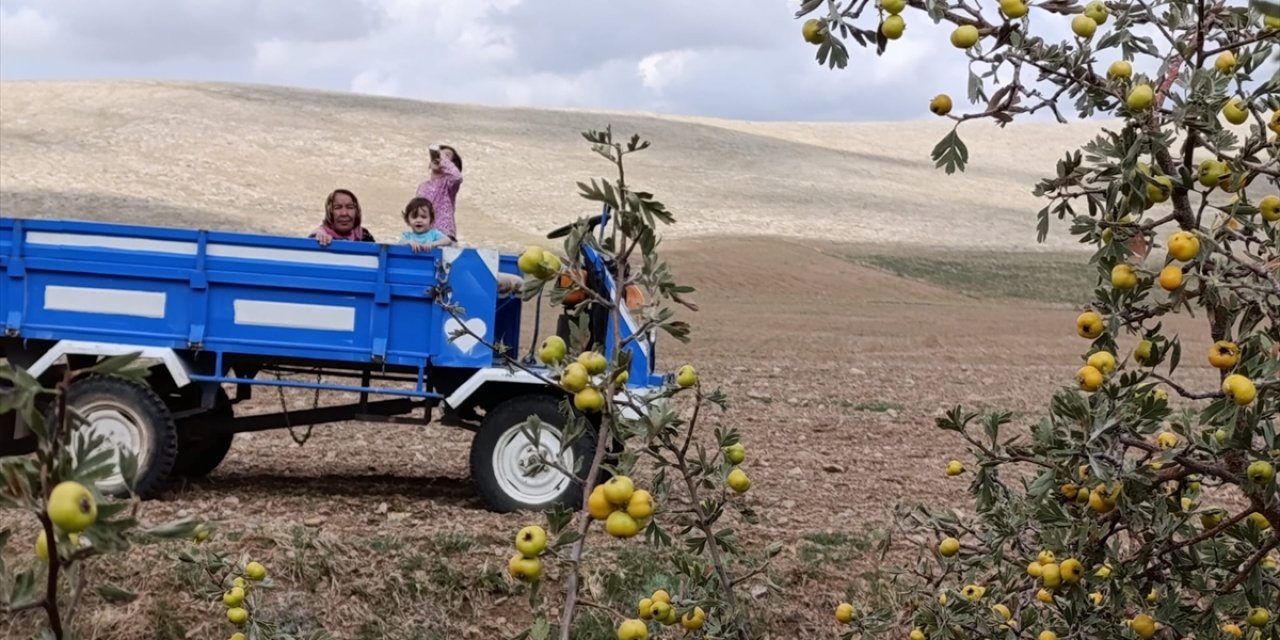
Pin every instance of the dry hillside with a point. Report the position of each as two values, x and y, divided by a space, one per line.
262 159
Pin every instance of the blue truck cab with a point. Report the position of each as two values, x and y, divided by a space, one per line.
216 315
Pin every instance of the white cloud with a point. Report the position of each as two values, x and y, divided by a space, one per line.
26 29
728 58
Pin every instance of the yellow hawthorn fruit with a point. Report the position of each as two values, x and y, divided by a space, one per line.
1084 26
1171 277
598 505
1046 557
234 597
531 540
237 615
633 630
238 636
735 453
640 506
1239 389
255 571
1096 598
1225 62
1161 190
1090 378
552 350
1102 361
530 262
1235 111
1160 394
955 468
1260 472
893 26
1103 572
618 490
1224 354
1003 611
594 362
1167 440
589 400
1259 521
1071 570
1047 635
1014 9
973 592
1044 596
1211 172
893 7
1069 491
660 610
240 582
949 547
1119 70
694 619
661 595
1140 97
1153 596
1258 617
1271 23
738 480
687 376
1097 12
1143 625
1184 246
621 525
1051 575
813 31
1232 630
941 104
844 612
575 377
1123 276
1269 207
525 569
964 36
917 634
72 507
1143 351
1034 569
1089 325
1099 503
645 608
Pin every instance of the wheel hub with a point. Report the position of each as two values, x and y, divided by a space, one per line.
520 466
121 430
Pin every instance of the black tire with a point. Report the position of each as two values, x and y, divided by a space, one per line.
202 443
499 431
117 401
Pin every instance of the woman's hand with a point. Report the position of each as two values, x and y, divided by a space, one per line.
323 238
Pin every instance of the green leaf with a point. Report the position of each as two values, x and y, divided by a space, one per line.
951 153
116 595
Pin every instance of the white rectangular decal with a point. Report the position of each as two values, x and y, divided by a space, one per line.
121 243
291 315
291 255
119 302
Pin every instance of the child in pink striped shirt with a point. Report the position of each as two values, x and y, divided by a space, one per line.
441 188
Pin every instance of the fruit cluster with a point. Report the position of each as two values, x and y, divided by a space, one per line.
658 607
526 565
236 598
624 509
72 509
539 263
577 376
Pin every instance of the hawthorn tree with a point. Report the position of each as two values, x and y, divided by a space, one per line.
1118 515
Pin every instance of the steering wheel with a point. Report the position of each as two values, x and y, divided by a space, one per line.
592 223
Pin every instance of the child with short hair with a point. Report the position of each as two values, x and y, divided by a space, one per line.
422 235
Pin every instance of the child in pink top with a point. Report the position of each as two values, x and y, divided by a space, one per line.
441 188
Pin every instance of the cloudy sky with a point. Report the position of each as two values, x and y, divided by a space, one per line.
727 58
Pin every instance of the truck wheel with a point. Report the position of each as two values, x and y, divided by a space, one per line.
202 444
501 455
130 416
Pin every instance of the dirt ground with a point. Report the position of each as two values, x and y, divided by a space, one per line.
835 403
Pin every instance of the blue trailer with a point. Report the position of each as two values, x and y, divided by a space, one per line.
219 314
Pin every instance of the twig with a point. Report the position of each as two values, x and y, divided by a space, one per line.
1250 564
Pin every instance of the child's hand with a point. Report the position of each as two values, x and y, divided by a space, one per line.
418 246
